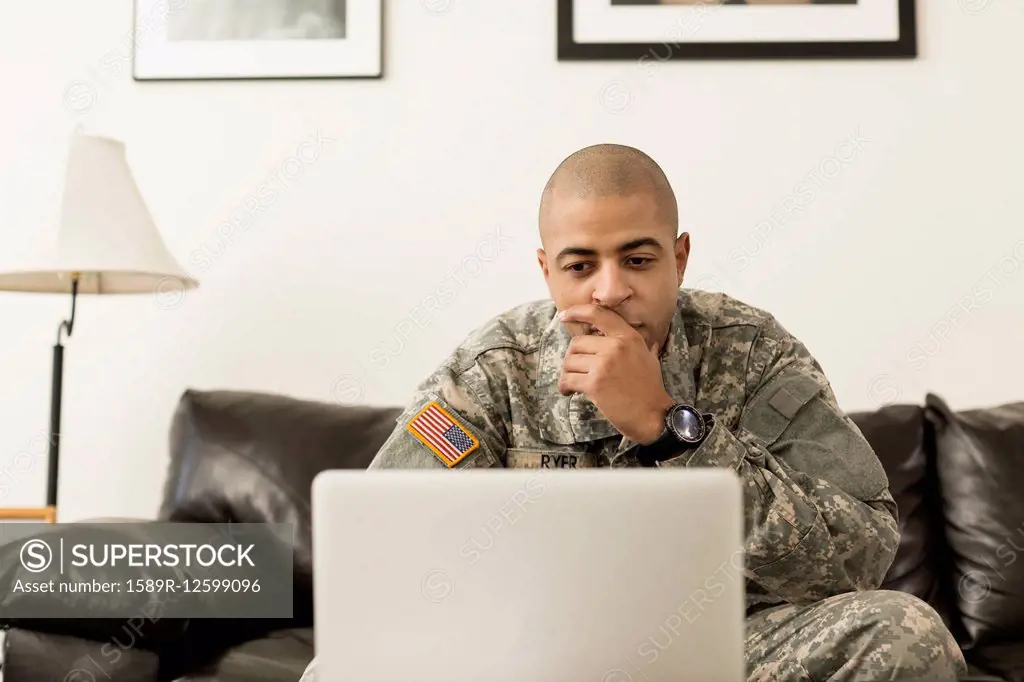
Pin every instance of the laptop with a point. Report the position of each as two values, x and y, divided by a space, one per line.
506 575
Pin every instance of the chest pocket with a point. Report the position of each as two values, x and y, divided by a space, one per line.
542 458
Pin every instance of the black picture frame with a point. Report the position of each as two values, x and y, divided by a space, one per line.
905 47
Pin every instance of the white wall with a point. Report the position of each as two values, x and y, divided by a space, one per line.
455 143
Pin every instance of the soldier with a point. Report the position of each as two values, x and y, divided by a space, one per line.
623 368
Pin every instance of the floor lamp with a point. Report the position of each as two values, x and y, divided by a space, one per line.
106 243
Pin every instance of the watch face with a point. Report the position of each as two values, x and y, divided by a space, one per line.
688 424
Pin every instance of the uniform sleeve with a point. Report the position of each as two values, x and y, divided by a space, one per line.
452 422
819 517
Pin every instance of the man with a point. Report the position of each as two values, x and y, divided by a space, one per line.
622 368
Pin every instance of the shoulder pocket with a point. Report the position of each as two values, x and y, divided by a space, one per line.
773 408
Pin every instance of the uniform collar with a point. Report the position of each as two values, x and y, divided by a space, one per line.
572 419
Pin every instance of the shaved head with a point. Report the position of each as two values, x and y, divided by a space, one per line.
605 170
609 236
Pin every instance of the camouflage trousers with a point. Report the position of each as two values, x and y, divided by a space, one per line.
876 635
851 637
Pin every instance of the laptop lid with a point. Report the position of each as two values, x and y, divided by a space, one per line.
610 575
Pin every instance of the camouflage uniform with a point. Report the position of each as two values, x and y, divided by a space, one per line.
821 525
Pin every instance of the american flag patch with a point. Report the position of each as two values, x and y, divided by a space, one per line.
440 432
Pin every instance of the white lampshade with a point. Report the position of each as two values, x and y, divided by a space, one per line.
106 235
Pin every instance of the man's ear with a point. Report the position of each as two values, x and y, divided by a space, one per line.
682 254
542 260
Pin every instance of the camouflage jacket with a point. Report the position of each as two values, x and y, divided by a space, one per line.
819 517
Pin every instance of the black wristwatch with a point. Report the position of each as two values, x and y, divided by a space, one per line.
685 429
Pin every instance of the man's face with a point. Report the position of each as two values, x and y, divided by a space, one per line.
614 251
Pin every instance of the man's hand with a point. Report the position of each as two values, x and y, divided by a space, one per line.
617 370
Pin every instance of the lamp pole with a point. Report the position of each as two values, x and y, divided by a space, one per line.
55 398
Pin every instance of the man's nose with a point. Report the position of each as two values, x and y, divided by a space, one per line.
610 288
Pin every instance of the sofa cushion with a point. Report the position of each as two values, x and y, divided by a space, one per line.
980 460
31 656
279 656
897 434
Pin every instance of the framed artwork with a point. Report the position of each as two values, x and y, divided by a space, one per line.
735 29
264 39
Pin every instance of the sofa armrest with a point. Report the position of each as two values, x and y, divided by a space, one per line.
102 618
251 458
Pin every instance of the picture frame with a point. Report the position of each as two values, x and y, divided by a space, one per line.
266 40
662 30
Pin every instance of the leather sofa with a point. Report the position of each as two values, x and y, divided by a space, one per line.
958 478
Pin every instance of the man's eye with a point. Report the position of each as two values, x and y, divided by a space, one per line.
576 267
639 261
